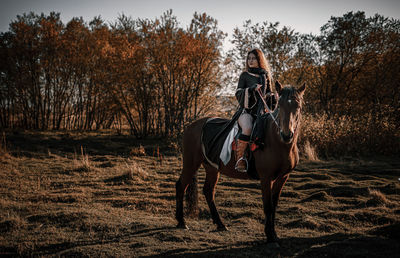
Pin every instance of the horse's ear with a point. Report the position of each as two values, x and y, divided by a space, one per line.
278 87
302 88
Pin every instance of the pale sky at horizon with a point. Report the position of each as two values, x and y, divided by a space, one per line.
305 16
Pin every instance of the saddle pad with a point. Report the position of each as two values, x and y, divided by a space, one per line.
226 151
214 133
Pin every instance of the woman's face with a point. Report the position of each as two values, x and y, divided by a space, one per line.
252 61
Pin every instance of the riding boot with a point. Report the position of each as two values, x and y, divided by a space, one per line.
241 161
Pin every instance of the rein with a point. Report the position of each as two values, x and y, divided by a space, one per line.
267 110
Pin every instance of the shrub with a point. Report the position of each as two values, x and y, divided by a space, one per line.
138 151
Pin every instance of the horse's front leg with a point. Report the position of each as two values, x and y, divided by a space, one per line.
276 192
268 209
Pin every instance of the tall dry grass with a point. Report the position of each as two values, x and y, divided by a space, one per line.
348 136
377 198
134 171
310 152
82 161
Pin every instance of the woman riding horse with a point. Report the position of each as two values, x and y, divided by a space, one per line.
257 76
273 162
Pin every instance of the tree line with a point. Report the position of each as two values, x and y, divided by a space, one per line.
156 76
352 67
151 74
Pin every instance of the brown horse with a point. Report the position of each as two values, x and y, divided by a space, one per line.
273 163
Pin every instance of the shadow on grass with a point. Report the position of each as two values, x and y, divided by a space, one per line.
71 248
335 245
36 143
381 242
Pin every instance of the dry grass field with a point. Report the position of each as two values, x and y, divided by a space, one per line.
100 194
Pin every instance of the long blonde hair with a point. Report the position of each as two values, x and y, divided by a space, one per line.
262 63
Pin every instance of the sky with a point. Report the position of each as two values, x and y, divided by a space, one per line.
304 16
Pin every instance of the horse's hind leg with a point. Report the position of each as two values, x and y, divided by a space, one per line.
180 191
192 159
212 176
190 167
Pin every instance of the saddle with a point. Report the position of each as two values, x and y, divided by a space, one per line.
215 133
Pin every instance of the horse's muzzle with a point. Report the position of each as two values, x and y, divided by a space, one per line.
286 138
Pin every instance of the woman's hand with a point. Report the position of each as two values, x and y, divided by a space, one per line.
258 87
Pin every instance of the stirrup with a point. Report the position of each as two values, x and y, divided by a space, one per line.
237 162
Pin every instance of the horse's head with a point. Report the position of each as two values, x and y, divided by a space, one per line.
289 104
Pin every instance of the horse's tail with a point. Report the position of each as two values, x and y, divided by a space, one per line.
192 159
192 198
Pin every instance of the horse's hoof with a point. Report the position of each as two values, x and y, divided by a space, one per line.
273 245
182 226
222 228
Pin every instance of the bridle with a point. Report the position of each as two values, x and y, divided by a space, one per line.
267 110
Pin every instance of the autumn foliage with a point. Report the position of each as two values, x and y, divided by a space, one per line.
352 70
150 74
154 76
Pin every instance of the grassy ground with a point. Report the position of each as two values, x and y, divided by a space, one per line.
98 194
